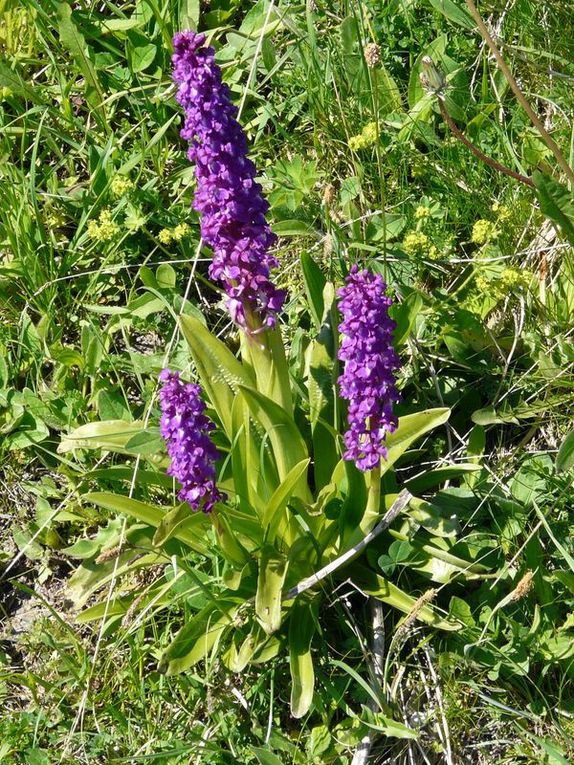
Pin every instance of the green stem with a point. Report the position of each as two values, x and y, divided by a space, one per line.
372 510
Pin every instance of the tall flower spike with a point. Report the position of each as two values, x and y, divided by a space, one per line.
186 429
367 381
228 198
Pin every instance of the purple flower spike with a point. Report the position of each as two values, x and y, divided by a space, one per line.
186 431
370 363
228 198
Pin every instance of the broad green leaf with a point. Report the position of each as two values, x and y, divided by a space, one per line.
220 372
228 542
314 281
189 14
430 519
412 427
301 631
288 445
195 640
454 12
266 354
381 589
153 516
321 387
178 518
405 315
110 435
556 202
265 757
565 456
74 41
273 519
270 581
433 477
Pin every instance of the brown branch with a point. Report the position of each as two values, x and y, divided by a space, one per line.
534 118
476 151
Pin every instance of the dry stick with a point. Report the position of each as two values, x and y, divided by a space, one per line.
476 151
395 509
361 755
503 66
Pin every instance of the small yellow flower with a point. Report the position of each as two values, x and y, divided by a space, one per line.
415 242
181 230
165 236
422 212
433 253
483 231
104 229
367 137
120 185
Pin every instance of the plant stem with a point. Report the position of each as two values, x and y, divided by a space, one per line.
476 151
534 118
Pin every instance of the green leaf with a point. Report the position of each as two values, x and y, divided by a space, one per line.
265 757
412 427
270 581
565 456
433 477
74 41
111 435
147 441
140 51
301 631
405 315
380 588
220 372
195 640
176 519
11 79
273 518
189 14
314 281
556 202
153 515
288 445
454 12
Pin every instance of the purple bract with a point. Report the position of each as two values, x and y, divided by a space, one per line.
228 198
186 430
368 380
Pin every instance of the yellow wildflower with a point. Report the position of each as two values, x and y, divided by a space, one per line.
415 242
104 228
422 212
181 230
120 185
483 231
165 236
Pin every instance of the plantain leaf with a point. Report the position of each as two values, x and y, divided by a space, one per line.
220 372
274 519
454 12
270 580
565 456
110 435
301 631
74 41
381 589
314 282
196 639
289 448
153 515
412 427
556 202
